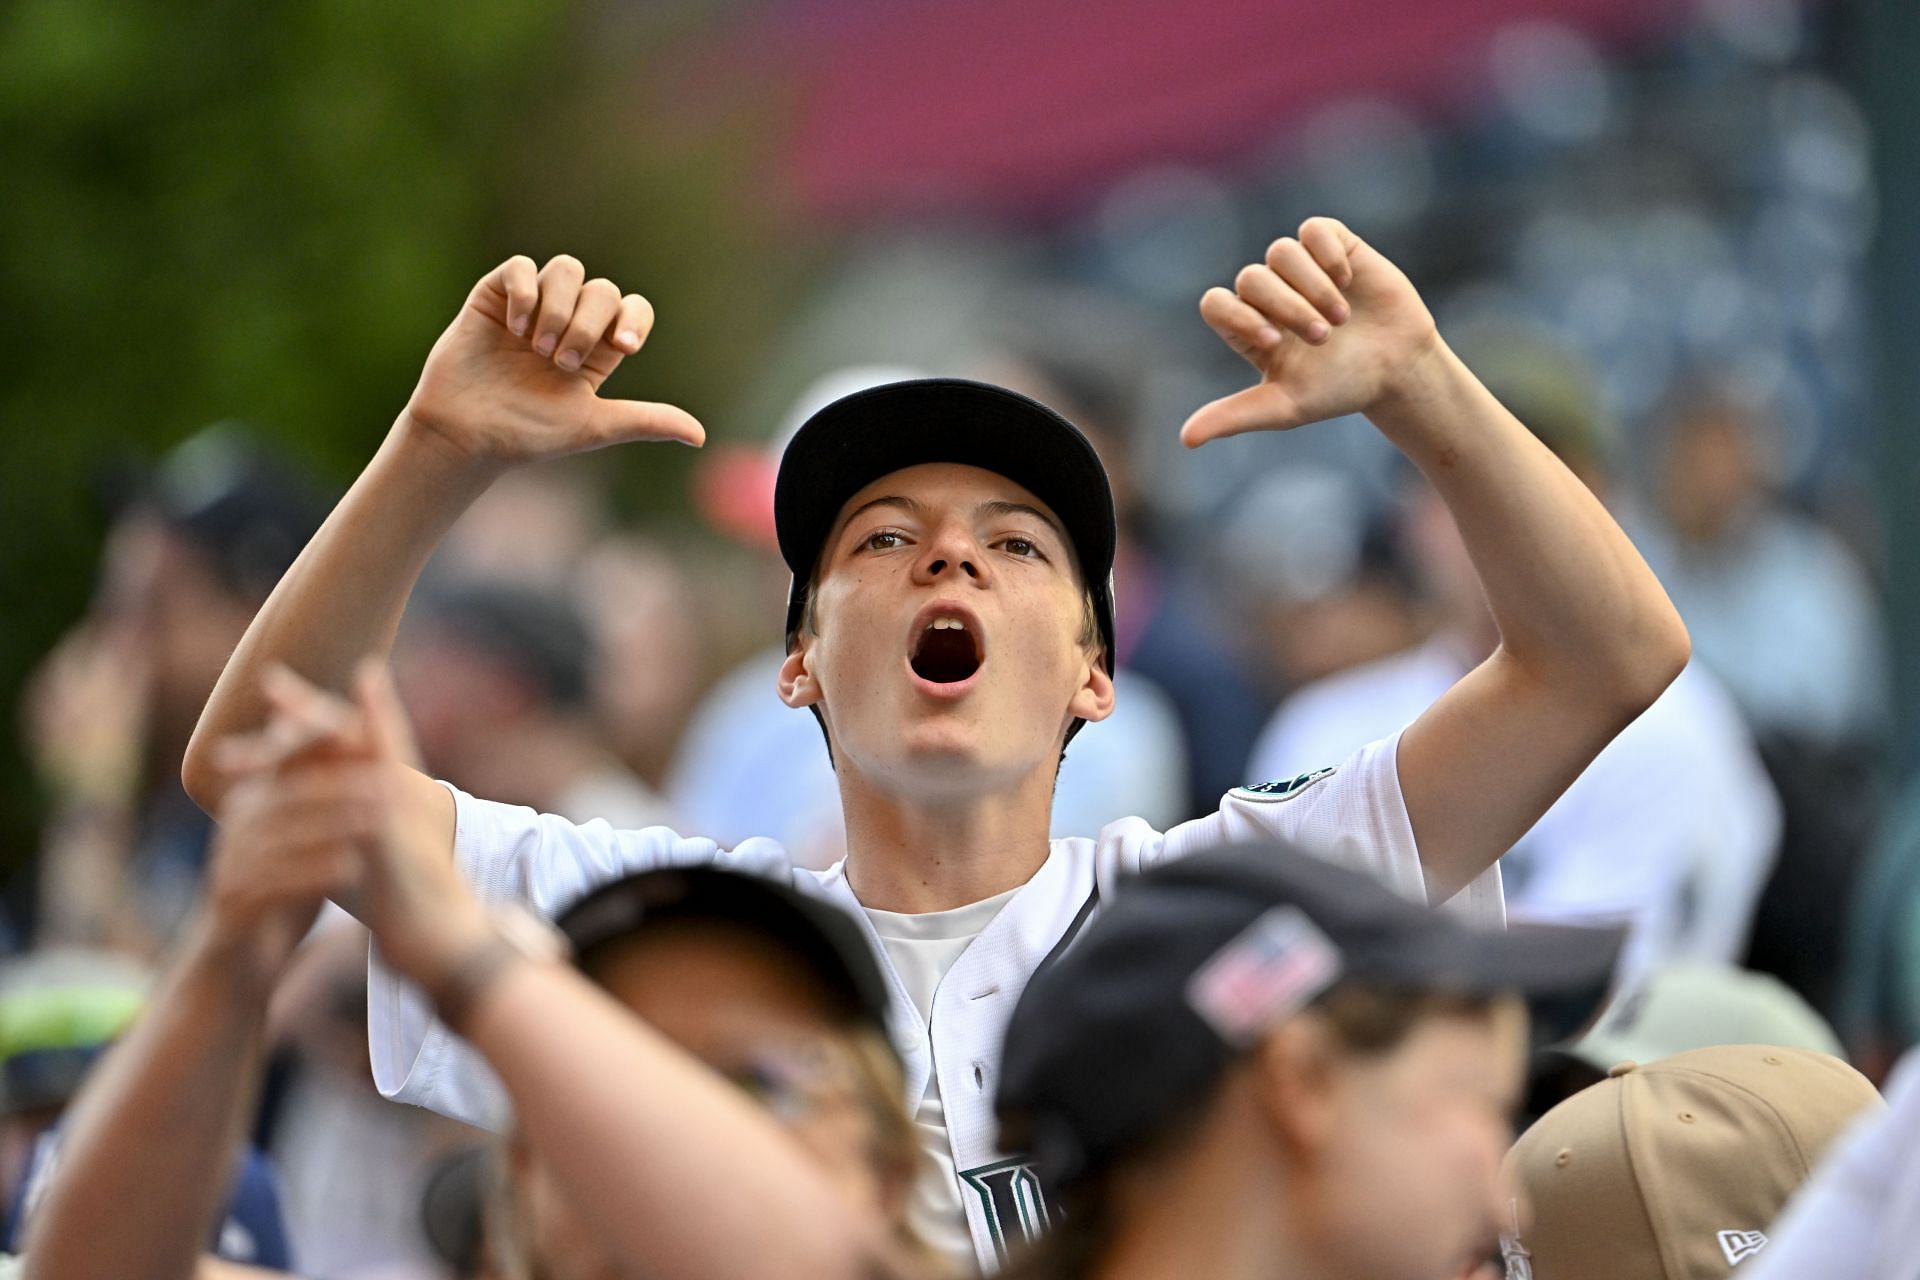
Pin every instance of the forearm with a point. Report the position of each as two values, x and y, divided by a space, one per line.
343 598
1576 606
148 1149
680 1169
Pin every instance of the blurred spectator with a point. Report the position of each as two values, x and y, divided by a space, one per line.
750 765
1676 1170
1680 1007
650 657
188 560
1321 1049
1328 588
497 678
1779 607
1673 828
59 1010
352 1167
1879 995
531 527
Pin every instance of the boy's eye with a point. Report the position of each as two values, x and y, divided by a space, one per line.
883 540
1021 546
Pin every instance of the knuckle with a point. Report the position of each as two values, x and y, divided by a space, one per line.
520 262
564 264
601 287
1250 276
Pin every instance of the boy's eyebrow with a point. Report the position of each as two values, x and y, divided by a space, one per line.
885 500
1001 508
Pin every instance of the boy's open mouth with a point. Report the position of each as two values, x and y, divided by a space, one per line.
946 652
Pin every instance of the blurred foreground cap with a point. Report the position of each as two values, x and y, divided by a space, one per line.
815 933
1675 1170
1197 960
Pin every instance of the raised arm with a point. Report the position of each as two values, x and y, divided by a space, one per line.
147 1152
675 1167
515 378
1588 638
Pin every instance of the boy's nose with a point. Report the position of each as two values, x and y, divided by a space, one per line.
939 567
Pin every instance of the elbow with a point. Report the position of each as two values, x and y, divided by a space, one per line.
1657 656
203 782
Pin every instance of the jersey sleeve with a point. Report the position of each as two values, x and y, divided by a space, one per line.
512 853
1352 813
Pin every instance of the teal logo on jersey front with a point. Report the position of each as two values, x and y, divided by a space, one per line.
1010 1193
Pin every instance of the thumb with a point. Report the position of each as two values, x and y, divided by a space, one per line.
1260 408
387 727
619 421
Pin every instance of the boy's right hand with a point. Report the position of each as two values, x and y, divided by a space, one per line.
516 377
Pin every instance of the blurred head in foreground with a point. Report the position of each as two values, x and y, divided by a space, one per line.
1677 1169
1253 1051
774 991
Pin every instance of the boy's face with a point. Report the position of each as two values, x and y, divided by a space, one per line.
947 650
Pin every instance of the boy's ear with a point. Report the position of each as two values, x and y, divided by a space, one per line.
798 688
1093 700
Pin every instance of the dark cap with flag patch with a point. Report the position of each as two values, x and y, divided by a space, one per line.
1192 963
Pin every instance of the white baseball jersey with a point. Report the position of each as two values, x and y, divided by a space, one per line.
1353 814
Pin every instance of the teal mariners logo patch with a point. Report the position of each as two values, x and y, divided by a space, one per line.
1010 1193
1281 788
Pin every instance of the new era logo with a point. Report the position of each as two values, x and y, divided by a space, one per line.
1741 1245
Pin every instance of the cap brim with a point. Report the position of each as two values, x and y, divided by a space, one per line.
1564 972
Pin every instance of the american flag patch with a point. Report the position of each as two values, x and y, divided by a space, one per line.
1276 966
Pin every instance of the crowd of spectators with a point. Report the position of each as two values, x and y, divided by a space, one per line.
1743 834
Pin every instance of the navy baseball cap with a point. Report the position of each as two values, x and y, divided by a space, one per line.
858 438
816 934
1194 962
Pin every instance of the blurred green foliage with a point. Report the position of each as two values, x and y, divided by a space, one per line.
267 211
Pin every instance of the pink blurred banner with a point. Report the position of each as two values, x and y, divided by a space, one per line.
1022 106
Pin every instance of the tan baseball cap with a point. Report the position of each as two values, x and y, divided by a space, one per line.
1675 1170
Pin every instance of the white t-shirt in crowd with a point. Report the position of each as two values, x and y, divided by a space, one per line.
922 948
1672 830
1354 814
1858 1216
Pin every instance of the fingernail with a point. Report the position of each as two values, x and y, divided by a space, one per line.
1318 331
545 343
569 360
1340 313
627 338
519 327
1268 336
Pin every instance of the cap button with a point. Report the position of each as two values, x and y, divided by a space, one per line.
1619 1069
